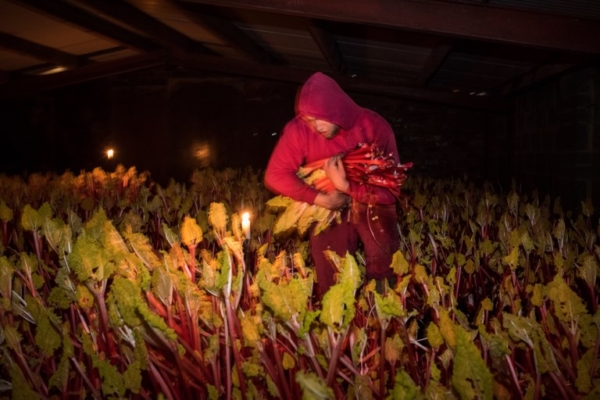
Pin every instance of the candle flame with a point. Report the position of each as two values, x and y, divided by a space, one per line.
110 153
246 225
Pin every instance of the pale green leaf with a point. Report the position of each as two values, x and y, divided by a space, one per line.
405 388
399 263
471 377
6 214
313 387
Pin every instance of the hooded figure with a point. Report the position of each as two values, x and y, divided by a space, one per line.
328 123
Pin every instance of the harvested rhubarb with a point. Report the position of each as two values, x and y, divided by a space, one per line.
366 164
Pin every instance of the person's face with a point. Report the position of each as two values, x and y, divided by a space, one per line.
322 127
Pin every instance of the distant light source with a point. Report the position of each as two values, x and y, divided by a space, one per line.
110 153
202 152
53 70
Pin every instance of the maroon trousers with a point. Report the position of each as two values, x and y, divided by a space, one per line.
376 227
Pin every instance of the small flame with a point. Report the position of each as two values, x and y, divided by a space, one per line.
110 153
246 225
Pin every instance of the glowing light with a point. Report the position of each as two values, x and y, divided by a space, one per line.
246 225
202 152
110 153
53 71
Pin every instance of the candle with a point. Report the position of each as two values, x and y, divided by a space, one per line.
246 225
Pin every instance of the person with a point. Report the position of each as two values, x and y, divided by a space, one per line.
327 124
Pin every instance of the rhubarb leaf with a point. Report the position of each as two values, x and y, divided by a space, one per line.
471 377
399 263
7 271
571 310
583 381
313 387
405 388
88 260
142 248
530 332
6 214
218 218
191 233
286 301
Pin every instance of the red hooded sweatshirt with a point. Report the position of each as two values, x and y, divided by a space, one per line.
322 98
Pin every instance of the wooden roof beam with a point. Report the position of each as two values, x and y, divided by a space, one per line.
536 76
298 76
328 46
462 20
38 51
88 21
248 69
82 74
229 33
435 60
129 15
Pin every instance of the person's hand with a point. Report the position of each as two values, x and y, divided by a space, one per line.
334 169
333 200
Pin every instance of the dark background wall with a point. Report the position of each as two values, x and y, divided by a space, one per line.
557 136
171 125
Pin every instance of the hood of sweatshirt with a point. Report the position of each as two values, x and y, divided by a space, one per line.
321 97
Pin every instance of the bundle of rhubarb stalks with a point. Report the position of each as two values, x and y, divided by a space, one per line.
366 164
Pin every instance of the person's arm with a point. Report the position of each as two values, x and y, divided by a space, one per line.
333 200
334 169
286 159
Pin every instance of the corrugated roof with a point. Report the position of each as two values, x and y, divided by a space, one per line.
575 8
432 51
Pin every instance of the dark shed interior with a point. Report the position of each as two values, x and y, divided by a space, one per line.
494 89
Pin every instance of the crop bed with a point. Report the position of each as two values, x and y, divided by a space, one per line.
113 286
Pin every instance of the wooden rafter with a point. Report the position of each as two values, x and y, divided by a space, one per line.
293 75
83 74
38 51
535 76
328 46
434 62
242 68
89 21
461 20
137 19
228 32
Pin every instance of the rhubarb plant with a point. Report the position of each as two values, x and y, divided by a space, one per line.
113 286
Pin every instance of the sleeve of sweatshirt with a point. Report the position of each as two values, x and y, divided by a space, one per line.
286 159
386 141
